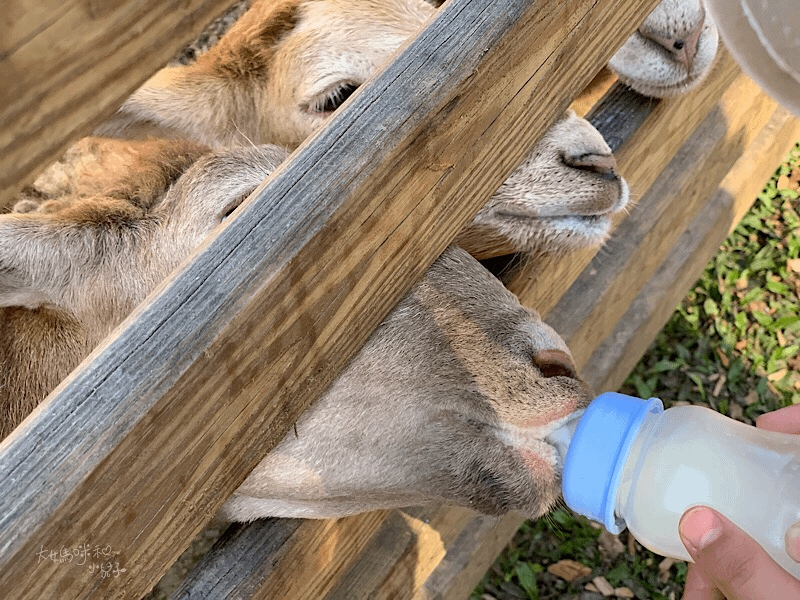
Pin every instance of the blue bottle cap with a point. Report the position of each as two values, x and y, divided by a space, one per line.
597 455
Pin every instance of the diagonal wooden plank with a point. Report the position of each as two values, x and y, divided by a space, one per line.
140 446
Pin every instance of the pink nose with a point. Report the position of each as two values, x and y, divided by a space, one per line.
682 45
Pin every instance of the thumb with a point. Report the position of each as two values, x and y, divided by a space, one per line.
732 560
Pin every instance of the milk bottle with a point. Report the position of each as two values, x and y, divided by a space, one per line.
630 463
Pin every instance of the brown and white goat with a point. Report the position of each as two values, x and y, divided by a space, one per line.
286 65
449 401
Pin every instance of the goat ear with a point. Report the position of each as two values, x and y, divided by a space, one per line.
25 260
15 292
181 101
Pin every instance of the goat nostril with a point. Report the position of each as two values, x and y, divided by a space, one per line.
684 48
603 164
555 363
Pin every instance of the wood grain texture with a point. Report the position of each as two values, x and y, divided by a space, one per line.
65 65
236 562
142 444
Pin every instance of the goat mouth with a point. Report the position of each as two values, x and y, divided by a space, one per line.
545 444
585 225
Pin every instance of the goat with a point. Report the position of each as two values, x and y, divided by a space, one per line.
450 400
286 66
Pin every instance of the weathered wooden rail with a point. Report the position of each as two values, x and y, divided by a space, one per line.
140 446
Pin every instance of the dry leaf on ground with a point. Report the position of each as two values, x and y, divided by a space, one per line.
718 387
602 585
735 411
610 544
751 398
777 375
568 570
663 568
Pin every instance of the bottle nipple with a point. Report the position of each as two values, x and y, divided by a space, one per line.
561 437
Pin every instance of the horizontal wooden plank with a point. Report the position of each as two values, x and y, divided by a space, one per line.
682 190
667 127
65 65
617 353
140 446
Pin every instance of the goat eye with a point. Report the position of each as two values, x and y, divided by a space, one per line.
333 98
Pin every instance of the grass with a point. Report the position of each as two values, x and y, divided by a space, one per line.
733 344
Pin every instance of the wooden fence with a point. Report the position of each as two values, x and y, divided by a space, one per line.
136 450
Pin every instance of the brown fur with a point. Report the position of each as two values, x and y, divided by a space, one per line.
136 172
38 348
247 52
74 266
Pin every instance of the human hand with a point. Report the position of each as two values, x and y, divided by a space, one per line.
786 420
729 563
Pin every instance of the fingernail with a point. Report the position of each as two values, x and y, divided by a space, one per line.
793 542
700 527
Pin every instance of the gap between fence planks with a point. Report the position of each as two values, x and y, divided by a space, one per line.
141 445
67 64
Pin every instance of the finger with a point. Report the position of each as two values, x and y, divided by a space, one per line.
732 560
786 419
793 542
699 586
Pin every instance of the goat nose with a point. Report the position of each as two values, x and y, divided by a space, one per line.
555 363
682 46
602 164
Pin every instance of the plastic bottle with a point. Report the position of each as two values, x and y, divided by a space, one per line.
631 463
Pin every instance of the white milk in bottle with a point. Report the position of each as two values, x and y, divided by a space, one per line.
632 464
